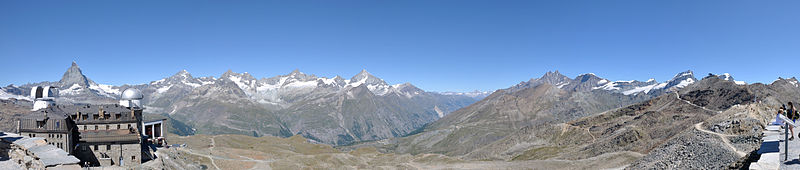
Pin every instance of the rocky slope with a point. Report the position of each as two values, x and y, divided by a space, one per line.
712 124
548 100
247 152
10 111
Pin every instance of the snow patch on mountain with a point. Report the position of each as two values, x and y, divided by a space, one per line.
6 96
301 84
608 86
158 81
645 89
72 90
562 84
106 90
378 89
207 82
163 89
685 83
327 81
356 83
238 81
474 94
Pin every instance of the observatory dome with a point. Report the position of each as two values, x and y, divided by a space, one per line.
132 94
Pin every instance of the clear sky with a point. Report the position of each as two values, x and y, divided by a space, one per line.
438 45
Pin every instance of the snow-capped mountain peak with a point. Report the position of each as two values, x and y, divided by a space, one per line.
366 78
682 79
728 77
181 78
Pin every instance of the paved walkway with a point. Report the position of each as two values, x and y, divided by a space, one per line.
794 152
772 150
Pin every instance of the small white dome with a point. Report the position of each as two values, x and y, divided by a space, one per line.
132 94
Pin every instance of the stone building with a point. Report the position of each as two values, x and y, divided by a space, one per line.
108 134
46 120
50 123
98 135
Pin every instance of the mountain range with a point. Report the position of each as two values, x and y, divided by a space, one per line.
326 110
646 124
552 98
712 123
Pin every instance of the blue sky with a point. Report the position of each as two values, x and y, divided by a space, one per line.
438 45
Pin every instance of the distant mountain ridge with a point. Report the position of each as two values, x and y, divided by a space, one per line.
326 110
558 118
335 110
590 81
474 94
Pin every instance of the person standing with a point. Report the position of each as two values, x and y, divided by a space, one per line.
791 113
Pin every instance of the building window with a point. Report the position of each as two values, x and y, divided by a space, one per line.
95 127
107 127
108 147
95 147
133 157
118 126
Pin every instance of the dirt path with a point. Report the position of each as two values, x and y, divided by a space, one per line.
212 157
704 108
699 126
211 151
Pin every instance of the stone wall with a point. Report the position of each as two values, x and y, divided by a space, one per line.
60 140
109 154
34 153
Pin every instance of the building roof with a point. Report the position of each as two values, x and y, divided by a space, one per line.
99 136
62 111
90 111
48 154
94 109
151 120
53 120
49 112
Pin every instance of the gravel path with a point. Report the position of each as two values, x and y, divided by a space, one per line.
724 137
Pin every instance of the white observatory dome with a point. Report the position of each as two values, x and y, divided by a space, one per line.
131 94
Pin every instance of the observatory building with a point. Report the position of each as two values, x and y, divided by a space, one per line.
98 135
